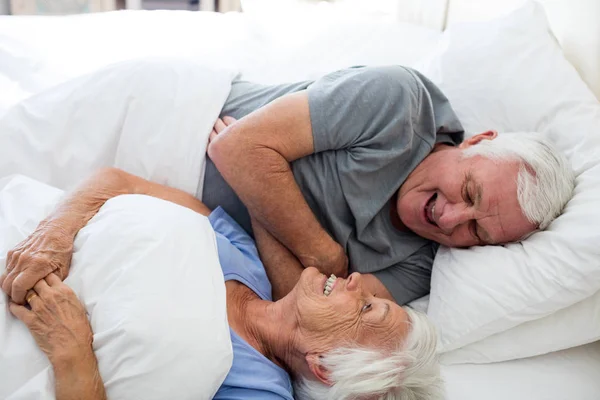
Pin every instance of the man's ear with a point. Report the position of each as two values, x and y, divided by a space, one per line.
473 140
314 364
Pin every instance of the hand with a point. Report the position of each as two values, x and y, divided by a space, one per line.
57 320
336 262
48 249
220 126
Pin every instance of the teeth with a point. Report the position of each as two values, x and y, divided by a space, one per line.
433 212
329 285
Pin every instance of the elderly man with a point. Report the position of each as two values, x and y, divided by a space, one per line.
364 170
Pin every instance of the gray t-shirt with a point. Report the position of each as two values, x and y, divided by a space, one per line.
371 126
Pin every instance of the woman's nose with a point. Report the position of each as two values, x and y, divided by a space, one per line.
354 281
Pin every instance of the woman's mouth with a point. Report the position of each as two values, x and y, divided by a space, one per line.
329 284
429 210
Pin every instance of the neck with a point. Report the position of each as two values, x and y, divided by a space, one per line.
272 330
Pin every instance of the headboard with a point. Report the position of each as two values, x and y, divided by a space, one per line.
574 23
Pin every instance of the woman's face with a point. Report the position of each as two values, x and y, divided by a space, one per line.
348 315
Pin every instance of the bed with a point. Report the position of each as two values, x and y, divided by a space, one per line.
534 348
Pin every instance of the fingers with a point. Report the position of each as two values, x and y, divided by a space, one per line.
212 136
25 281
20 312
40 287
32 298
53 280
229 120
219 126
12 259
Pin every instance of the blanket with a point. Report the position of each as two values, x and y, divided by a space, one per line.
159 321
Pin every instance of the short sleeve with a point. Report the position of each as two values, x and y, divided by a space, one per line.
238 254
226 226
360 106
380 122
410 279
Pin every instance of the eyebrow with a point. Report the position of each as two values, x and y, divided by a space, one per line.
386 311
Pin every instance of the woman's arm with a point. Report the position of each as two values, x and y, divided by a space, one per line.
49 248
254 156
78 378
59 325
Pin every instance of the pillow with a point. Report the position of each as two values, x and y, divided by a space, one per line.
148 274
509 74
534 337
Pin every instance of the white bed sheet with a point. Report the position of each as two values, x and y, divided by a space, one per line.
572 374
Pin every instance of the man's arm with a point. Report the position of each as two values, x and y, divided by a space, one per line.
254 156
282 267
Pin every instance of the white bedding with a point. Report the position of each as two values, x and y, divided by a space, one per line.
261 51
55 137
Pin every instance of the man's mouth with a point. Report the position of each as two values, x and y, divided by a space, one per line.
430 210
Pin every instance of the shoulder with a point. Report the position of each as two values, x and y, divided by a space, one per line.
381 79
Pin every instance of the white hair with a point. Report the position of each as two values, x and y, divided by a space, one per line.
411 372
545 181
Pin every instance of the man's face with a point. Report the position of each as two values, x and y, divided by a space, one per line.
461 202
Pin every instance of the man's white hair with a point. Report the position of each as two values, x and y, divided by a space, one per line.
545 181
411 372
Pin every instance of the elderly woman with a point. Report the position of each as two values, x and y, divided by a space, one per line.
332 335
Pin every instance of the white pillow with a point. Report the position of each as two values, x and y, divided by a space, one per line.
148 274
534 337
509 74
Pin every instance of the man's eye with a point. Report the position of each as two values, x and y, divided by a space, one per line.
474 231
466 195
366 307
469 198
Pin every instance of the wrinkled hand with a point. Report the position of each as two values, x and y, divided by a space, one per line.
57 320
220 126
48 249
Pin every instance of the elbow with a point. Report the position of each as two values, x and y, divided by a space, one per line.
110 174
115 180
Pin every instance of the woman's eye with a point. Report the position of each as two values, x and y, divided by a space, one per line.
366 307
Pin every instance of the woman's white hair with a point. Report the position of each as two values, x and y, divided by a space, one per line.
411 372
545 182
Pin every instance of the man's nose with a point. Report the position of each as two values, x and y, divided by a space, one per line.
354 281
454 215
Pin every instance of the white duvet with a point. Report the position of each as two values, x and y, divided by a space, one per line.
146 270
